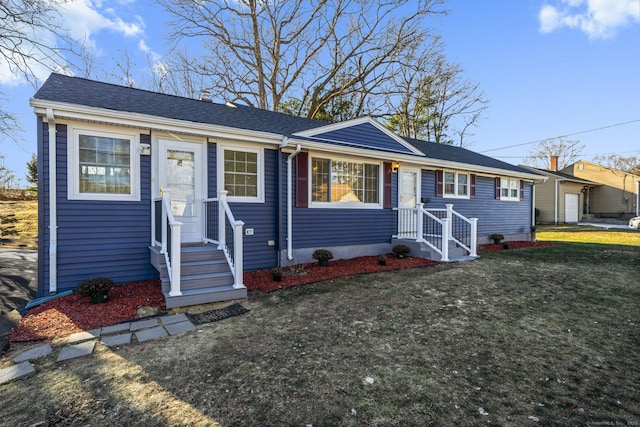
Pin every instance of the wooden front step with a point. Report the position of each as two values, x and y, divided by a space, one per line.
205 276
204 295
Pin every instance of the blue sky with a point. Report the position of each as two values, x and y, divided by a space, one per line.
548 68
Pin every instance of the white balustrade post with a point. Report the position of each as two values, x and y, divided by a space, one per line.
450 218
473 245
165 202
237 255
446 226
419 221
222 200
175 259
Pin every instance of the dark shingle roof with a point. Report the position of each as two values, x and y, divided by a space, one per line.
79 91
461 155
75 90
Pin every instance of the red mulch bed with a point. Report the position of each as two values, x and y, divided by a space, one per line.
67 315
261 280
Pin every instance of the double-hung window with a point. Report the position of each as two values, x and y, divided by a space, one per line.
509 189
344 182
241 171
103 165
456 184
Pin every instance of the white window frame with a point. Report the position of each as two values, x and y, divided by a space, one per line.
73 163
513 184
455 194
248 148
346 205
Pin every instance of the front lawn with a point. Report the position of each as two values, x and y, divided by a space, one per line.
544 336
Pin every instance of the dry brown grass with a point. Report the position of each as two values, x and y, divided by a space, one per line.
545 336
19 223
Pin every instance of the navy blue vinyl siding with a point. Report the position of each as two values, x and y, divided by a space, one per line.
494 216
324 227
261 217
365 135
97 238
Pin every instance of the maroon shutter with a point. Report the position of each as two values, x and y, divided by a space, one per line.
498 188
472 179
302 180
521 190
386 195
439 183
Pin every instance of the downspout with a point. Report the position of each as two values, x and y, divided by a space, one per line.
555 209
290 204
533 204
284 143
638 198
53 220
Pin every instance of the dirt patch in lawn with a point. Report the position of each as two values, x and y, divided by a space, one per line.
543 336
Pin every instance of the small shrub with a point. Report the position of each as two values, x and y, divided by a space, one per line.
93 287
382 260
401 250
297 269
496 237
322 254
276 274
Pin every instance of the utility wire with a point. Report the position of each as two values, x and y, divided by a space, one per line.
583 155
562 136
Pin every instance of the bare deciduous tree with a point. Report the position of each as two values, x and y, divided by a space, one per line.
566 150
437 103
629 164
30 40
298 54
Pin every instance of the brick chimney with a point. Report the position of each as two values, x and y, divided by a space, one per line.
554 163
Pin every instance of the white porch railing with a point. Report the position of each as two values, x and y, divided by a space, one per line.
167 235
220 222
437 227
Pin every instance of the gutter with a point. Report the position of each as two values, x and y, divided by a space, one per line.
53 219
290 202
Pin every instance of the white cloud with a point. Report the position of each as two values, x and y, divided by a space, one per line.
143 46
84 20
597 18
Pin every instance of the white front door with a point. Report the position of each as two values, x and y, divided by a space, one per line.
408 193
180 166
571 207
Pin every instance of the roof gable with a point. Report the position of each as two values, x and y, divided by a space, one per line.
363 132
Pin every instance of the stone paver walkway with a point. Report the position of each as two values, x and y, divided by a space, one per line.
83 343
